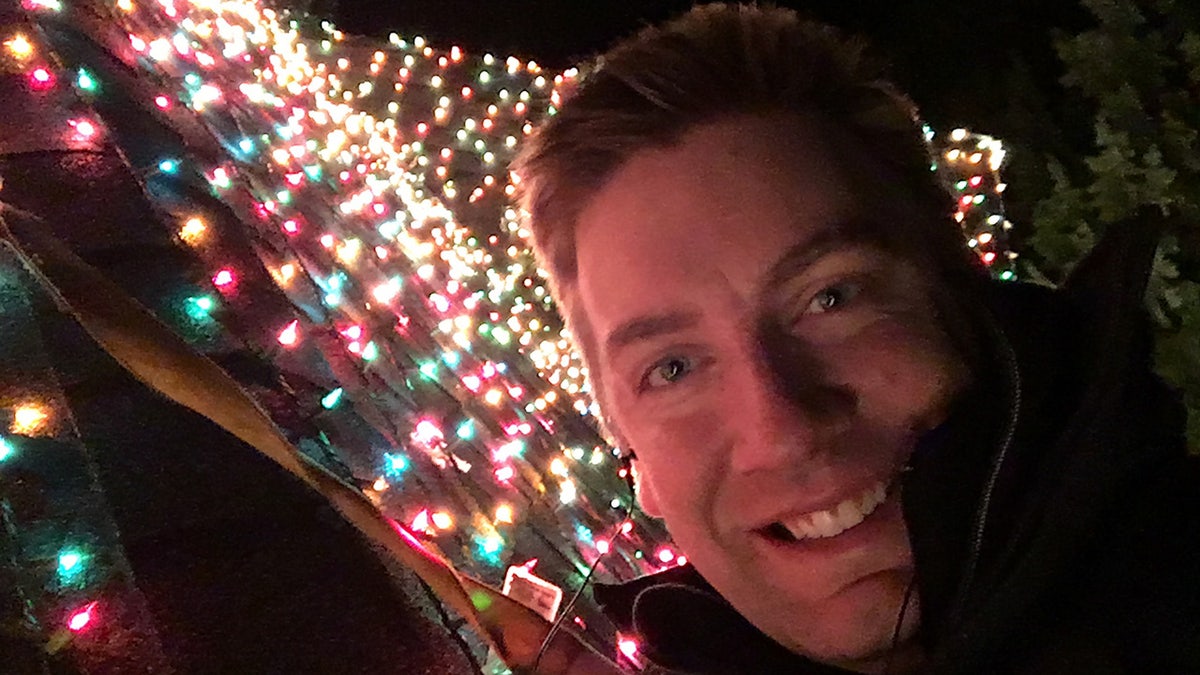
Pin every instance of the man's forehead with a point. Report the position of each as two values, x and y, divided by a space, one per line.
700 216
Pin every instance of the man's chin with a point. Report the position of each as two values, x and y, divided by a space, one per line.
857 630
861 653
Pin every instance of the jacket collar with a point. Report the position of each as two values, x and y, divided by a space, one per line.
684 625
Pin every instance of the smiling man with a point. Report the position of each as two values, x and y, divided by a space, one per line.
875 458
772 366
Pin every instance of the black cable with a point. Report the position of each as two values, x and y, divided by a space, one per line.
627 468
557 625
908 593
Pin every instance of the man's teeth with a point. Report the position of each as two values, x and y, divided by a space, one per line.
824 524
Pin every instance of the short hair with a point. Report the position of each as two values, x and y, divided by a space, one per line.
715 62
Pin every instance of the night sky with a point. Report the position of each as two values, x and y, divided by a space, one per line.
951 56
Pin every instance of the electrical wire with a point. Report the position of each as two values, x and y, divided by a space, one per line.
908 594
566 611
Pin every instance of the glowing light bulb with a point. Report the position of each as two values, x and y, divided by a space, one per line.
491 544
70 563
19 46
286 273
387 292
83 128
628 647
6 449
85 81
427 432
442 520
504 514
29 418
370 352
331 399
82 618
567 492
224 278
193 231
199 307
395 464
466 430
289 335
41 79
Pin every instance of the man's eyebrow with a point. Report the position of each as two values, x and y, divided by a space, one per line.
649 326
805 253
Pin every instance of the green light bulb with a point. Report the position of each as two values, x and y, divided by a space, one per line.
199 306
331 399
466 430
370 352
85 81
70 562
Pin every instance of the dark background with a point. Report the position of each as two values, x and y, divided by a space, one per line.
952 56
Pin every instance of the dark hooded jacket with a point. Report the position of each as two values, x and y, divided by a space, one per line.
1054 517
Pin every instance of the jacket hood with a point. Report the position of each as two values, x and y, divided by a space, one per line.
1002 498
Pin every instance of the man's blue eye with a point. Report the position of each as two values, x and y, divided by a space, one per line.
667 371
832 297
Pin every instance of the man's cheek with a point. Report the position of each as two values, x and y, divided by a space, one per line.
683 455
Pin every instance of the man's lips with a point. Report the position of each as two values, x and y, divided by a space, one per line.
822 523
873 529
825 494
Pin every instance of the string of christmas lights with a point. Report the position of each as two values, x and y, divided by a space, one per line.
372 182
62 566
969 164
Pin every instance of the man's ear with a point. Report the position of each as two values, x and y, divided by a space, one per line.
646 496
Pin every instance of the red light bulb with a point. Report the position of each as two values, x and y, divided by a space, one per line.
41 79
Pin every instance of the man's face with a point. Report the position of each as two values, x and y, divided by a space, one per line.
771 368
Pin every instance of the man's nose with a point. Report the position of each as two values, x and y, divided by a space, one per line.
794 412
